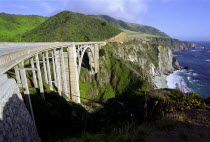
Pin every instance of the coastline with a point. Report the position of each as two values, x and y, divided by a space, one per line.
172 81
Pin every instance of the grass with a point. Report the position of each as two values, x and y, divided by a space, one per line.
84 88
13 26
132 35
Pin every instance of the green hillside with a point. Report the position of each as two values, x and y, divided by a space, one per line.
12 26
125 26
69 26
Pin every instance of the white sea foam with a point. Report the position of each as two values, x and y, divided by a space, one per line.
175 81
195 50
207 60
195 74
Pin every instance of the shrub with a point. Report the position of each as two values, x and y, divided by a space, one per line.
103 23
102 52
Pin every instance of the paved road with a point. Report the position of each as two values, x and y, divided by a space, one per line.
6 48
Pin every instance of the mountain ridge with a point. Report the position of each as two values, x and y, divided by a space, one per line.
131 26
70 26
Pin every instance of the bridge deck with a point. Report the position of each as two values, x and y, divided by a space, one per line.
12 53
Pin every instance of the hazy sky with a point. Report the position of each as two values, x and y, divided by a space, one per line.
182 19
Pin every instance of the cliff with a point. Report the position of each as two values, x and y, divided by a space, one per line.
174 44
127 66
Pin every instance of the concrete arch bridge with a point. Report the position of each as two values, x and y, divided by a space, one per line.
57 64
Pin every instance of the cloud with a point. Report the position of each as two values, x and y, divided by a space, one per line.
128 10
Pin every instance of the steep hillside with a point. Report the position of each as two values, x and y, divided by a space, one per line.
12 26
69 26
142 29
174 44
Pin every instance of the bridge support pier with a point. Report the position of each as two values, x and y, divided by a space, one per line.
49 71
27 97
45 69
58 73
74 76
17 74
34 73
96 58
39 76
63 73
54 70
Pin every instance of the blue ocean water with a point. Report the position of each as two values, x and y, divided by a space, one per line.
197 79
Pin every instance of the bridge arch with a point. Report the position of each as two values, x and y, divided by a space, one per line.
90 52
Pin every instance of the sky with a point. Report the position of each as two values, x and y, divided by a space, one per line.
187 20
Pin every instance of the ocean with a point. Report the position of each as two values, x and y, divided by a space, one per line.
197 78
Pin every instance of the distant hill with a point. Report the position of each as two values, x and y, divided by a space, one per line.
147 33
69 26
12 26
142 29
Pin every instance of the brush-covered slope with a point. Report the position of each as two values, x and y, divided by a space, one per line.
12 26
69 26
143 29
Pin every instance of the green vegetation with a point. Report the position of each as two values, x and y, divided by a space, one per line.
13 26
69 26
125 117
115 76
137 29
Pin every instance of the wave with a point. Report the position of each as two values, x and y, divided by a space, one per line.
196 50
178 55
201 47
207 60
175 81
195 74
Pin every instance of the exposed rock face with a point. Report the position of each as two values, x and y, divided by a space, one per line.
175 64
174 44
155 59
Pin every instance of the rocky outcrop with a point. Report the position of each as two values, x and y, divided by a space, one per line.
155 59
174 44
